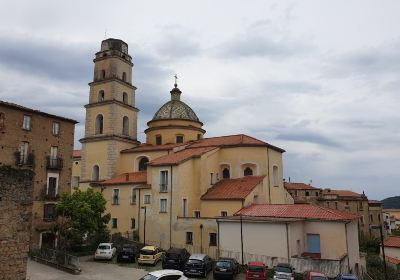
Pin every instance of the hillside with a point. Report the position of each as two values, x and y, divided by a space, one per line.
391 202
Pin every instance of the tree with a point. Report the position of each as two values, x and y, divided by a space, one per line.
81 218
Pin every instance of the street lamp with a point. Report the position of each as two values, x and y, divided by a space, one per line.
144 225
383 248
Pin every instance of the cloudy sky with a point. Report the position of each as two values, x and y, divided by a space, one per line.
317 78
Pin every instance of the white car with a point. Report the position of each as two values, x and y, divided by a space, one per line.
105 251
165 274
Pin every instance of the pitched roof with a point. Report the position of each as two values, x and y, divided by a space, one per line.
342 193
149 147
299 186
232 189
392 241
296 211
127 178
233 140
26 109
175 158
392 260
76 153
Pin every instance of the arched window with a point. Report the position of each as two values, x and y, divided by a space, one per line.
95 173
101 96
124 76
125 126
103 74
248 171
99 124
275 176
125 98
143 164
158 140
225 173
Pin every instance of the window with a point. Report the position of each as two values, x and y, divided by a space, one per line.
2 121
146 199
133 196
379 218
114 222
255 199
133 223
336 205
248 171
316 193
225 173
164 181
313 243
213 239
49 211
95 173
275 176
371 218
196 214
179 139
189 237
26 123
75 181
224 213
23 153
158 140
56 128
52 187
307 193
198 136
115 196
184 207
125 98
99 124
125 126
143 164
362 220
100 97
53 163
124 76
103 74
163 205
211 178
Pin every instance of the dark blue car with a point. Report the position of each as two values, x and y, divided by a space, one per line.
346 277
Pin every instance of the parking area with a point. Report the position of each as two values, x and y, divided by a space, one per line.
96 270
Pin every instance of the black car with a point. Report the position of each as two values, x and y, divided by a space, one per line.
175 259
128 253
198 265
226 268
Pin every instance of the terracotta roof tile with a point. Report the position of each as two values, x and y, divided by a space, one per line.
296 211
232 140
149 147
342 193
127 178
299 186
175 158
392 241
76 153
392 260
232 189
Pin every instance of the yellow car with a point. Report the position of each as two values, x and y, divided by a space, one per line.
150 255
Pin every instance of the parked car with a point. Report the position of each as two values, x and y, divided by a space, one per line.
167 274
175 258
127 253
346 277
198 265
256 270
311 275
284 271
226 268
105 251
150 255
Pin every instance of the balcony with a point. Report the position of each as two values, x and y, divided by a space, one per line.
49 194
54 163
24 160
163 188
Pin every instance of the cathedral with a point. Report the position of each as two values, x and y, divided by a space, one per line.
170 190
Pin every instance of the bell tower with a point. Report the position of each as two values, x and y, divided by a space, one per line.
111 115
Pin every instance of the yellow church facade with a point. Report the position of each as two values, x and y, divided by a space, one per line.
169 190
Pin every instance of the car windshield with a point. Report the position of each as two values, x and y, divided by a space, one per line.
224 264
147 252
256 269
127 249
349 278
283 269
148 277
172 256
318 278
104 247
195 261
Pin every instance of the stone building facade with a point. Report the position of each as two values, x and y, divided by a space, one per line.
15 220
43 143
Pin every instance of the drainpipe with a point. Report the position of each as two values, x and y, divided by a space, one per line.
170 214
269 179
347 247
287 242
241 235
218 248
138 216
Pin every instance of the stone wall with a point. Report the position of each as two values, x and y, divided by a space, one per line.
15 221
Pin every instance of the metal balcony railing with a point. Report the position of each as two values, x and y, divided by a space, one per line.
24 159
163 187
54 162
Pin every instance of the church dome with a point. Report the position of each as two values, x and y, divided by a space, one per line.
175 109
